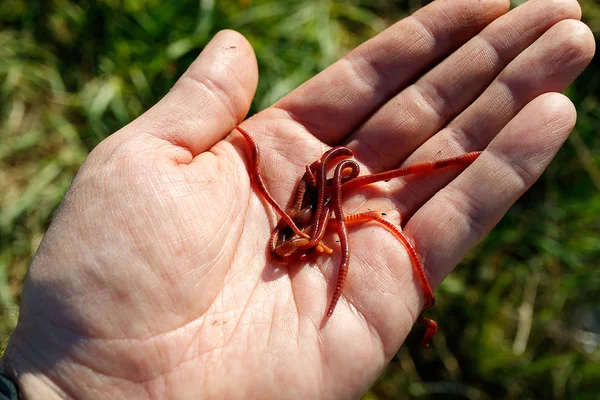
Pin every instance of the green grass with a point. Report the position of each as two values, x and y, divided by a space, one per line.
520 318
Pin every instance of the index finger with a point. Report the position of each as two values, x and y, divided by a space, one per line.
333 104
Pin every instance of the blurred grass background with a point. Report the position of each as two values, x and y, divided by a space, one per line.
520 319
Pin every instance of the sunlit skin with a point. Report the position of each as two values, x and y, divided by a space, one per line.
154 280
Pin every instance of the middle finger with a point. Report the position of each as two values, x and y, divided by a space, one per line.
422 109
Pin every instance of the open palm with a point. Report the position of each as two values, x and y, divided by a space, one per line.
154 280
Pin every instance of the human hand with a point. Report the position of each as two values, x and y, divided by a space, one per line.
153 280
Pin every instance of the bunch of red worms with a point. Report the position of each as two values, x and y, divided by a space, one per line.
317 207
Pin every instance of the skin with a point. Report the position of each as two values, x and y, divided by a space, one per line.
153 280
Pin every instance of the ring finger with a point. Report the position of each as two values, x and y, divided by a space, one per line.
549 65
422 109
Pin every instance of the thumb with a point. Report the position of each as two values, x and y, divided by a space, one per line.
209 99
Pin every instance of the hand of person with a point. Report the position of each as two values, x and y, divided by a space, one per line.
154 279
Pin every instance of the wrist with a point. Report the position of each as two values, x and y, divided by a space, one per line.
31 381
